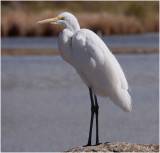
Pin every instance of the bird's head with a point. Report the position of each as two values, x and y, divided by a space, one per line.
66 19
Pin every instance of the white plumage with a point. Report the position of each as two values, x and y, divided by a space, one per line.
99 69
93 61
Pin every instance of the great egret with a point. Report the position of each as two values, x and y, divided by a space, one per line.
93 61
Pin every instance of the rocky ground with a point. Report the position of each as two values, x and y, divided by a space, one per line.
117 147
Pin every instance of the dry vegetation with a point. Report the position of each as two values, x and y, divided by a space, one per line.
21 21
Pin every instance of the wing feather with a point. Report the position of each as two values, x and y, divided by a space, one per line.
98 67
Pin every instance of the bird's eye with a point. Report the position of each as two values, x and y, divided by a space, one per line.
61 18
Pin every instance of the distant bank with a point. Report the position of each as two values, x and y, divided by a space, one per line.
20 23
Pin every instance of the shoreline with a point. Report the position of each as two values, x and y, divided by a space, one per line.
56 52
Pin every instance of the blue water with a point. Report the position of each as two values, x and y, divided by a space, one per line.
145 41
46 107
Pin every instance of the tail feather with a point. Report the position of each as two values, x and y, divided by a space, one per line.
122 99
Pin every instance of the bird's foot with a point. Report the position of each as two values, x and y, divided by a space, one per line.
88 144
97 144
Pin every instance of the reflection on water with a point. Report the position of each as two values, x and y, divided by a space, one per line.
46 107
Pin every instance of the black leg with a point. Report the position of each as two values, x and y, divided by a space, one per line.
94 109
92 117
96 112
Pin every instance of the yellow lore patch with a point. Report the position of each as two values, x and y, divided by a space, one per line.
61 18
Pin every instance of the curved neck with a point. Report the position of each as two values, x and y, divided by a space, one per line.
73 26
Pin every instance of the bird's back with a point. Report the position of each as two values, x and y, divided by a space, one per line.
99 69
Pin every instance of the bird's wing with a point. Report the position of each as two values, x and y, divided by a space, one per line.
91 56
99 69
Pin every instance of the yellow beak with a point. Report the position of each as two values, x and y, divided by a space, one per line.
49 20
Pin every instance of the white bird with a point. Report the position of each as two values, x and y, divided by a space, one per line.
96 65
